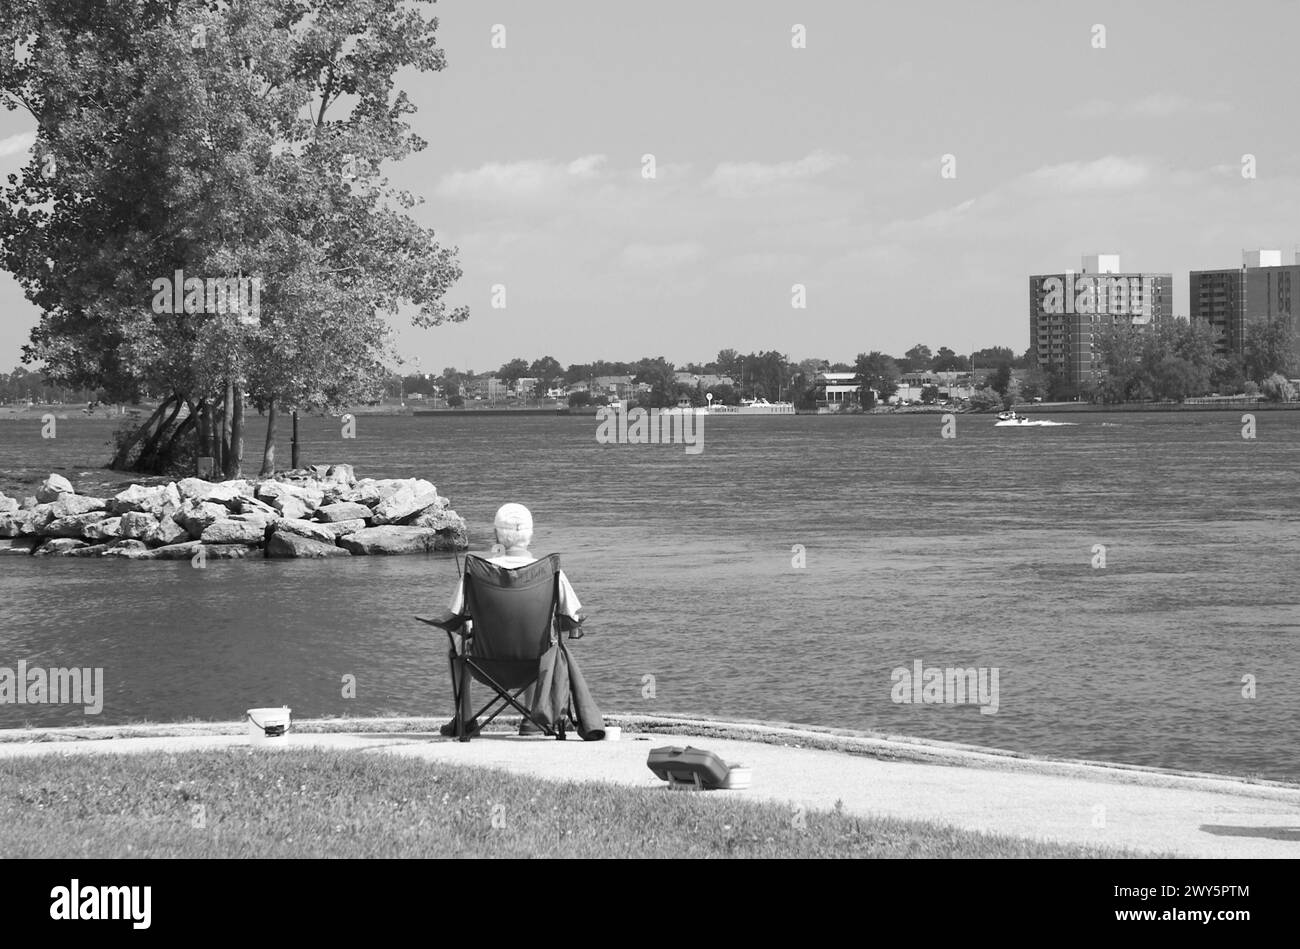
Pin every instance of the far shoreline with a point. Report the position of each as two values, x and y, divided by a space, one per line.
11 413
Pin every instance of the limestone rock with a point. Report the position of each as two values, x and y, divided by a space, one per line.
52 487
183 551
69 505
441 519
197 516
37 519
255 506
58 547
74 526
131 498
339 528
138 525
231 551
94 550
340 474
257 517
408 502
370 492
291 500
7 505
390 539
321 532
234 532
290 506
11 525
168 532
166 502
228 493
190 489
160 500
17 545
110 528
129 549
343 511
289 544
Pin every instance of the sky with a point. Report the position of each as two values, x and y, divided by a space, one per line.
822 166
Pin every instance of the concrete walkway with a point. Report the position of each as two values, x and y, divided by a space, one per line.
1142 809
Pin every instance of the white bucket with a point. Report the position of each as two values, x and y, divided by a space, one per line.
268 726
613 733
738 777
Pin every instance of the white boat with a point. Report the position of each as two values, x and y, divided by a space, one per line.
1012 420
761 407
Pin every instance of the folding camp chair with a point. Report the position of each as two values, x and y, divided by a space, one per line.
515 622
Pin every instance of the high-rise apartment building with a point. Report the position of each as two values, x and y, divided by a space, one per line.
1263 290
1069 312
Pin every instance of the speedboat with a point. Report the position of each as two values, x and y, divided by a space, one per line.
1011 418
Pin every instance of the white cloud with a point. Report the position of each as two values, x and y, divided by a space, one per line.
1109 173
661 256
520 179
738 179
586 166
17 144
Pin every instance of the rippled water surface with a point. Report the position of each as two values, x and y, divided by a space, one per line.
970 552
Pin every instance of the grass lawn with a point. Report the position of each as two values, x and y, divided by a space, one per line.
241 803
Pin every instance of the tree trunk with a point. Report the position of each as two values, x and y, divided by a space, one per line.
191 422
293 461
123 453
268 450
220 436
235 449
203 420
148 460
227 423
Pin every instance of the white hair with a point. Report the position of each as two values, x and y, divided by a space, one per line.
510 537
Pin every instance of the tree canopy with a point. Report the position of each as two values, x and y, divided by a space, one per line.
198 143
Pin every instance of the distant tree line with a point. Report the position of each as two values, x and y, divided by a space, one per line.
766 374
1176 359
22 385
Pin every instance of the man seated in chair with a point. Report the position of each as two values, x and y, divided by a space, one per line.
513 525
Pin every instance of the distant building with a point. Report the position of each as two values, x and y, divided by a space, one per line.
702 380
834 390
616 387
1263 290
526 386
493 388
1070 312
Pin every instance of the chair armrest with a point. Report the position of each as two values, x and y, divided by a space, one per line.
572 626
449 621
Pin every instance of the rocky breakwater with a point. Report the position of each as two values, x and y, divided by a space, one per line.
319 512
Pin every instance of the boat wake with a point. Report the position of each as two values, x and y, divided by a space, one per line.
1025 423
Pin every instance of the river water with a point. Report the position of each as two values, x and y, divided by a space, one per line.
976 551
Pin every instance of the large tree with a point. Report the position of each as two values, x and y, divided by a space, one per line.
917 359
1270 347
513 371
878 371
199 137
547 371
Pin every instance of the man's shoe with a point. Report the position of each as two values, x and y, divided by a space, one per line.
449 730
526 727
